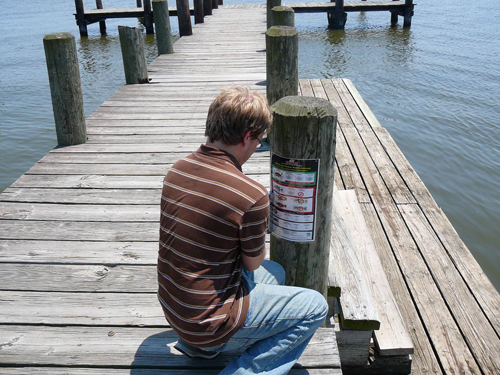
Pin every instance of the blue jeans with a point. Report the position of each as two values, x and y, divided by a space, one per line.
280 323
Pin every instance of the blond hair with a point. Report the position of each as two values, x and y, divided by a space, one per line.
235 111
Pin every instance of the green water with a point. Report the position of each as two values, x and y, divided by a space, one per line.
435 87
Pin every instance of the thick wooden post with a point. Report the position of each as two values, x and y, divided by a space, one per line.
184 17
408 13
162 26
65 88
148 17
134 57
221 2
282 16
282 72
207 7
102 24
270 5
303 142
394 18
198 11
139 3
337 18
80 18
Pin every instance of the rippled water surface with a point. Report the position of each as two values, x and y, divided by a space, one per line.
434 86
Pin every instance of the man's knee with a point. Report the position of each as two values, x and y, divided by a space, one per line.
276 270
317 306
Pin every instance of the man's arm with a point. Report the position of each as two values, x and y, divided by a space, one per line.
253 234
252 263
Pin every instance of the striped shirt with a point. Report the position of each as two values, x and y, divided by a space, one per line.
211 213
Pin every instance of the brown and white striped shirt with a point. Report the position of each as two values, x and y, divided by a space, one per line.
211 213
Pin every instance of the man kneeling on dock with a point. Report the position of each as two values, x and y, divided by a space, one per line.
217 291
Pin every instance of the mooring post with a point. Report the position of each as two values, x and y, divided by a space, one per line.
134 57
80 18
408 13
337 18
270 5
102 24
282 73
215 4
207 7
198 11
139 3
162 27
65 88
184 17
148 17
221 2
302 175
282 16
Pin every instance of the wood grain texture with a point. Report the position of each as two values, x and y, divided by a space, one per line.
54 257
391 338
358 309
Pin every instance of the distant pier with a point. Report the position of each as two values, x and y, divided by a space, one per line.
337 11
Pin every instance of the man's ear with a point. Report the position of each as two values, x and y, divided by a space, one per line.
247 136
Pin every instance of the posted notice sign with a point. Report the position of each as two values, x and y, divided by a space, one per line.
293 199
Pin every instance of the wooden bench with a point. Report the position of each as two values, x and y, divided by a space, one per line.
361 293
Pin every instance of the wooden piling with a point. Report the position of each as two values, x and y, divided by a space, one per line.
162 26
134 57
408 13
337 18
282 16
80 18
215 4
282 72
304 130
198 11
139 3
65 88
184 17
270 5
148 17
207 7
102 24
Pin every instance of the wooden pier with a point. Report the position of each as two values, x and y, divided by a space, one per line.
79 231
337 9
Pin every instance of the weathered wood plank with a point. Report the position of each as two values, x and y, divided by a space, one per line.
82 196
471 271
79 212
445 335
102 309
350 173
424 359
384 166
477 330
96 181
357 307
128 347
77 278
391 338
124 169
79 252
142 371
367 112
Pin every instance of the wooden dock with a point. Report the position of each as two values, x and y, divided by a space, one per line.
78 231
397 8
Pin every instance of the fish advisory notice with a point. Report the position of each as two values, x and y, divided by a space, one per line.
294 185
